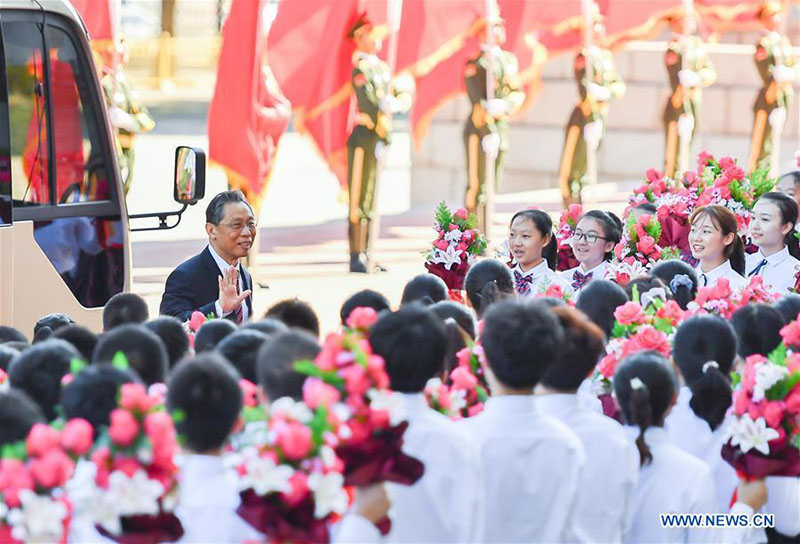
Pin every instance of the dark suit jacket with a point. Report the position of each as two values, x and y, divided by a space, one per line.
194 286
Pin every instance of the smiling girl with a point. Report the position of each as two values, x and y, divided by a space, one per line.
593 242
532 245
715 243
772 230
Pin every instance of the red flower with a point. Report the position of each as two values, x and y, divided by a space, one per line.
791 334
299 484
293 438
646 245
773 413
133 397
651 339
101 457
52 469
671 311
124 428
463 378
362 318
196 320
461 213
14 477
316 392
355 379
251 396
41 439
127 465
77 436
630 313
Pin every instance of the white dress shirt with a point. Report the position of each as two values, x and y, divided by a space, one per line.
542 278
611 471
208 501
724 270
783 500
693 435
224 266
778 273
598 273
532 465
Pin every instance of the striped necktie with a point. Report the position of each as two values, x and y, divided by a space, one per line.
757 269
238 311
704 279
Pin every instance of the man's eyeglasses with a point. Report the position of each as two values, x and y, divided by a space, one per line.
238 226
590 237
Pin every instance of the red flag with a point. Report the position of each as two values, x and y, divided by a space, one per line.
628 20
722 16
248 113
99 17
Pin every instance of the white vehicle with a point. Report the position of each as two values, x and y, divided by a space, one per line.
64 225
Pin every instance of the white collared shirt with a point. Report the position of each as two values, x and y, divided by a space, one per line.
778 273
542 277
224 266
598 273
692 434
611 471
532 465
736 281
208 501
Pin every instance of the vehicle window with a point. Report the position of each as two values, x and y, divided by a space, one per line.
27 112
5 145
80 163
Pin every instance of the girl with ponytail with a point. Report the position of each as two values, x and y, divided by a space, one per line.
714 241
487 282
772 230
670 479
533 248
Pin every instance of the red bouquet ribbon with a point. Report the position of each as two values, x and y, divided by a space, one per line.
146 529
784 461
281 522
453 278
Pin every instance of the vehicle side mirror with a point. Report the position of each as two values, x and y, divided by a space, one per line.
190 175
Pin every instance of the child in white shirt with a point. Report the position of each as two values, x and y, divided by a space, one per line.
714 241
533 247
593 241
772 230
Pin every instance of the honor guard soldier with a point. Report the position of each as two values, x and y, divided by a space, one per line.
486 129
689 70
587 123
375 103
777 67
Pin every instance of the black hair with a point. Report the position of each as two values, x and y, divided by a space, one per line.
794 176
10 334
612 227
788 306
211 333
205 391
488 281
268 325
172 333
81 338
544 224
462 315
725 221
366 298
215 210
276 358
144 350
598 300
704 348
241 349
295 313
38 372
7 354
644 403
788 209
583 344
669 271
42 333
92 394
425 288
124 308
18 413
19 346
643 284
520 342
412 342
757 329
53 322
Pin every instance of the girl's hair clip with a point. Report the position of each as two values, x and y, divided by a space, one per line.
708 365
680 280
636 383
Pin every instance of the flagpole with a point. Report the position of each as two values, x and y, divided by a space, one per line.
591 150
395 13
688 31
488 212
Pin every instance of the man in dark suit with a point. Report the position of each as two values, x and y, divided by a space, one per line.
214 282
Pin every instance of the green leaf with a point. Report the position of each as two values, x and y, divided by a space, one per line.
635 295
778 355
76 366
662 325
120 361
318 425
482 393
251 414
178 416
14 450
443 216
308 368
619 330
736 379
783 387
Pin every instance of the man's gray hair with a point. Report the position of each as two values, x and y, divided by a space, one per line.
216 208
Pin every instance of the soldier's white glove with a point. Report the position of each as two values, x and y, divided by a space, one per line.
122 119
496 107
389 104
777 118
592 132
380 150
689 79
598 92
783 74
491 144
685 125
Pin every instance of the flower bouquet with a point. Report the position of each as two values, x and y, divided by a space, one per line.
135 477
289 477
465 391
639 249
457 244
565 259
371 438
764 437
194 323
34 506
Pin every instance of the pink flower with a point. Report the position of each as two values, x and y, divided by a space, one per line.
158 426
441 244
124 428
646 244
773 413
630 313
671 311
554 291
14 477
77 436
468 237
362 318
355 379
443 397
127 465
461 246
607 366
653 175
462 213
791 334
101 457
52 469
475 409
316 392
703 159
133 397
299 485
293 438
41 439
250 393
463 378
741 403
376 369
196 320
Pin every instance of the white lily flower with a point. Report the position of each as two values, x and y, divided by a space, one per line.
295 410
749 434
447 258
767 375
39 518
104 512
388 401
329 493
264 477
453 236
137 495
458 400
